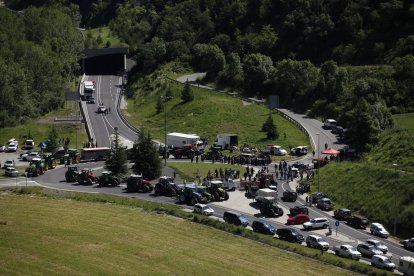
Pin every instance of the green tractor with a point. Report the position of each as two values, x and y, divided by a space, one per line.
214 188
268 207
166 187
193 194
50 161
86 177
72 156
108 179
71 174
36 167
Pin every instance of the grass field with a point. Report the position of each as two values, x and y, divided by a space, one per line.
39 128
405 121
189 171
106 36
209 114
63 236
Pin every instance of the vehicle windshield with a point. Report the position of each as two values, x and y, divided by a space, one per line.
387 261
270 227
320 240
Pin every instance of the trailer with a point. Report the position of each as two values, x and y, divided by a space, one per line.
226 141
178 140
406 265
96 154
88 89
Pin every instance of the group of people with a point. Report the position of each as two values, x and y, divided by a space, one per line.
220 173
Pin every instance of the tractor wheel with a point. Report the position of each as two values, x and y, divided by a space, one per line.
177 156
182 198
190 155
226 195
115 182
194 201
145 189
89 181
156 191
280 212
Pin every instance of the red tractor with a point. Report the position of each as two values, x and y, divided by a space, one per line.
136 183
187 150
86 177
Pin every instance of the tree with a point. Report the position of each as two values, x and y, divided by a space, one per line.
257 69
146 158
187 93
160 106
117 162
270 128
52 142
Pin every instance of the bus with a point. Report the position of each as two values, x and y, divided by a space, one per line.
96 154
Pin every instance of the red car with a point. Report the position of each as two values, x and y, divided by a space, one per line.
298 219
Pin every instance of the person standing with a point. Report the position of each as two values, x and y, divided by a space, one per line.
174 174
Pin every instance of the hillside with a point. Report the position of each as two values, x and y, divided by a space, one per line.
62 236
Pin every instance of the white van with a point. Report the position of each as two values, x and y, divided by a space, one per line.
406 265
383 262
329 123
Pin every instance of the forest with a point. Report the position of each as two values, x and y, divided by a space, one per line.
345 59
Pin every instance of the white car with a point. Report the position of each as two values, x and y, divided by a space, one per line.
101 109
329 123
347 251
29 157
383 262
8 163
378 230
378 245
29 144
368 250
11 171
316 223
203 209
2 148
317 242
12 147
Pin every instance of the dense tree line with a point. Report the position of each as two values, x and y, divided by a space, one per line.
39 53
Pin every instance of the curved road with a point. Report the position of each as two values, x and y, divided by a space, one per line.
108 91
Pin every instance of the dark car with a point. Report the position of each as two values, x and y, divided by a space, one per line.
324 204
289 196
290 234
235 218
316 196
263 227
342 214
357 222
299 210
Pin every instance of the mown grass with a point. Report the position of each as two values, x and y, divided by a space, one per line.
209 114
370 190
40 128
189 171
66 233
107 37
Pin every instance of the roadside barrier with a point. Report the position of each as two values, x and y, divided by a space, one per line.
82 108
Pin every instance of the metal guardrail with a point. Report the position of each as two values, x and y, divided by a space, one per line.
293 121
83 108
121 115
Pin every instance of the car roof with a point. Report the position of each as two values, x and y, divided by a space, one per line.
345 209
200 205
315 236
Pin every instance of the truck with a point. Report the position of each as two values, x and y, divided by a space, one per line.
408 244
226 141
267 201
88 89
96 154
178 140
406 265
266 192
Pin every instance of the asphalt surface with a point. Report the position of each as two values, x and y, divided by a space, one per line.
108 91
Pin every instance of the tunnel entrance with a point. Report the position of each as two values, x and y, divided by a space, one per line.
105 61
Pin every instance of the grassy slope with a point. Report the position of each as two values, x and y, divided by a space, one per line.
404 121
106 35
39 128
188 171
368 186
70 237
209 114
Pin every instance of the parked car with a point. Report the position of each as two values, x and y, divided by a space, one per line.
357 222
28 144
378 230
8 163
12 147
298 219
101 109
91 100
289 234
317 242
11 171
300 150
316 196
298 210
378 245
347 251
203 209
368 250
324 204
383 262
263 227
29 157
338 130
329 123
342 214
316 223
235 218
2 147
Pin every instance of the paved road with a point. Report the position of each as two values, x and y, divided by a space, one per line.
108 92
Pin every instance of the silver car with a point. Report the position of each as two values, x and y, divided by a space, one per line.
11 171
368 250
378 245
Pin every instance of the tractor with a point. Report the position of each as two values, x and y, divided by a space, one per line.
187 150
214 188
86 177
166 187
136 183
191 195
50 161
72 156
107 178
37 167
71 174
268 207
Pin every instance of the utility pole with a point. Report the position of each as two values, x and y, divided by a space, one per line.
319 162
165 130
395 199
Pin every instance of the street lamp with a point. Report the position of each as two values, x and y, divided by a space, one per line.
165 130
395 200
319 164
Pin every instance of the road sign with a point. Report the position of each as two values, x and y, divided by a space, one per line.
337 223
